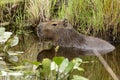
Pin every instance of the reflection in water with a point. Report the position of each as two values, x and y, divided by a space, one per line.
93 70
96 71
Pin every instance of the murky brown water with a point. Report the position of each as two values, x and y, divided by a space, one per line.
93 70
96 71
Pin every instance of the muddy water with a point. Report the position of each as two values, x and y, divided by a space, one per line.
94 70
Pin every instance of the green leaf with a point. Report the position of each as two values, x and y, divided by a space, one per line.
15 73
76 77
14 41
36 63
14 52
5 37
77 62
54 66
63 65
58 60
2 30
69 68
13 58
46 63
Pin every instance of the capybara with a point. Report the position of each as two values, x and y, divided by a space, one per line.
71 43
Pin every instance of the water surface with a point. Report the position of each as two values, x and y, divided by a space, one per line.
96 71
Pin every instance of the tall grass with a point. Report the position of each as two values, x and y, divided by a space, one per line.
92 15
38 10
87 16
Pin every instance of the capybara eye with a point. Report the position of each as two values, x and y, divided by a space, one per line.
54 24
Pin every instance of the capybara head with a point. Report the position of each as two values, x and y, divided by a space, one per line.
51 30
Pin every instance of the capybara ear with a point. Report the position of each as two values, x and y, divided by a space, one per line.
65 22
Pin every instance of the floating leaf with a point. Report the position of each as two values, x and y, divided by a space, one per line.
13 58
5 37
14 41
2 30
15 73
14 52
76 77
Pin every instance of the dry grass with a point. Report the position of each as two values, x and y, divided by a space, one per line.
38 10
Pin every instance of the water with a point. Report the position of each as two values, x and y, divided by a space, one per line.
93 70
96 71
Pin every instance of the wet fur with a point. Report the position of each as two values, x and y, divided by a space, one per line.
66 45
71 43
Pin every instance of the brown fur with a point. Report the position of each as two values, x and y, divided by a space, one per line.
71 43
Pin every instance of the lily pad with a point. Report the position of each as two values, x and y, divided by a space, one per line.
2 30
14 41
5 37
